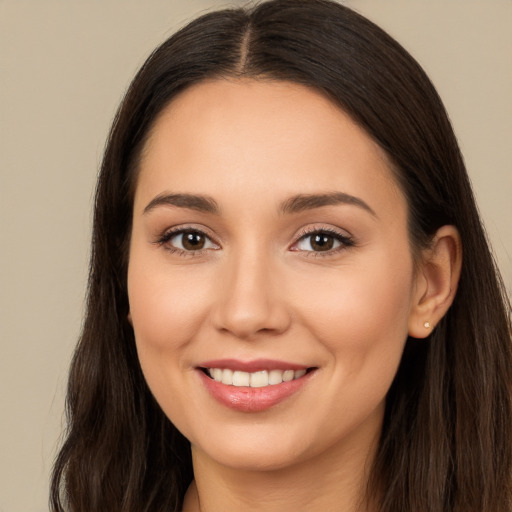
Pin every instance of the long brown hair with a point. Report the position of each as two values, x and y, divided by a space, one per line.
445 444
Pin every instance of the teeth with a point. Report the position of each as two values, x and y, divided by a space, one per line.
240 379
288 375
227 377
275 377
259 379
216 374
256 379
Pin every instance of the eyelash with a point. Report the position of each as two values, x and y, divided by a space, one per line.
165 238
344 240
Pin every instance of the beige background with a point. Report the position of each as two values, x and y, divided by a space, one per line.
63 68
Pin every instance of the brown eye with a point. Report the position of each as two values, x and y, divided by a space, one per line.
188 240
322 242
193 241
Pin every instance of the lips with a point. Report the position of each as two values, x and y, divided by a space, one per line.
253 386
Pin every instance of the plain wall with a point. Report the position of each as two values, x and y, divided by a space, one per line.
64 66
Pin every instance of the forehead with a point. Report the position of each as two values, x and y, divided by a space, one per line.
260 136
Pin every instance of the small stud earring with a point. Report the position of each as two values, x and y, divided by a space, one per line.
427 325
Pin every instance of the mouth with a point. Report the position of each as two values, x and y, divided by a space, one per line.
258 379
253 386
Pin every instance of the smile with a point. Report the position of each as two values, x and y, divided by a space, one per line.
253 386
257 379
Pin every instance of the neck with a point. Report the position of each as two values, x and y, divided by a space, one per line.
333 481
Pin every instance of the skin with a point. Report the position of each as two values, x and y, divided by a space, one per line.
259 290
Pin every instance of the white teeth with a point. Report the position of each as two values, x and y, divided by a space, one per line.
256 379
259 379
227 377
241 379
216 373
288 375
299 374
275 377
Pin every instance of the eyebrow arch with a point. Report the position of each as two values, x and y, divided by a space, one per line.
302 202
199 203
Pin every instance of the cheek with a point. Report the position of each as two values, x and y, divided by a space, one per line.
166 313
167 309
361 319
361 312
165 306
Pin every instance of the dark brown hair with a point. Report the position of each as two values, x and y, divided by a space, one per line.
445 444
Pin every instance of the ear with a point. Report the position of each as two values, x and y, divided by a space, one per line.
436 281
129 317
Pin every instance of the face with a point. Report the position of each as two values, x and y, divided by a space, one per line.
270 275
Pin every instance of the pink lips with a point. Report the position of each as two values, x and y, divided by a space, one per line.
248 399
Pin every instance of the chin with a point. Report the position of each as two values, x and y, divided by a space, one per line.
254 459
258 448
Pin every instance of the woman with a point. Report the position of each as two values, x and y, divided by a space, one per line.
292 304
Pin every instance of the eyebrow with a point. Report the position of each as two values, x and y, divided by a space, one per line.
199 203
302 202
295 204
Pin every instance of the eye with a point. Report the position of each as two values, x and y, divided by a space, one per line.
323 241
187 240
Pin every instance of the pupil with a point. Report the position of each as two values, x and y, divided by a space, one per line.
193 241
322 242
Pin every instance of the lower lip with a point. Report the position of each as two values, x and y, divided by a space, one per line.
247 399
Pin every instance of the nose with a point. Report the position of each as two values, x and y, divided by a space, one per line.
252 301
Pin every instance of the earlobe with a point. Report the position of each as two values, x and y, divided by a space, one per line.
436 283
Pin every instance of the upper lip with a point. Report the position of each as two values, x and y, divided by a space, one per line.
255 365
